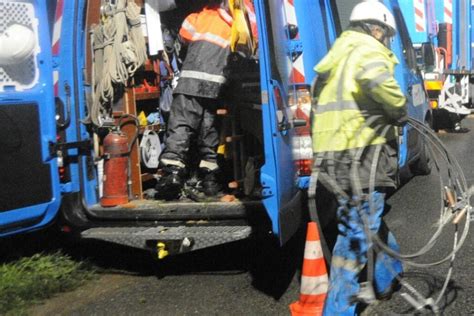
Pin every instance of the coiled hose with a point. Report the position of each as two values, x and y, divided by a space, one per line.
452 212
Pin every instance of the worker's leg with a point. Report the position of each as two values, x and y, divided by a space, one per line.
350 254
208 140
183 124
346 264
387 267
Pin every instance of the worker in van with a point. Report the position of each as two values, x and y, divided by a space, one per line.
354 126
192 120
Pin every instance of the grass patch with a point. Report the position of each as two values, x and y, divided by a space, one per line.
38 277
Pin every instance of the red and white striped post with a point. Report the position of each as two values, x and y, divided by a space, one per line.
420 15
297 74
448 11
58 20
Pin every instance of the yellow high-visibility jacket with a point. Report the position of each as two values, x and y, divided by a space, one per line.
359 97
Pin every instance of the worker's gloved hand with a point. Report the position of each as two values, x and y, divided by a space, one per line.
398 116
399 130
401 121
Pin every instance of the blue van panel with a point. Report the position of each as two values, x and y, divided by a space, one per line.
32 111
278 176
409 15
316 34
407 78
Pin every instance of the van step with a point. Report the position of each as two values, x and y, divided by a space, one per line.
142 210
177 239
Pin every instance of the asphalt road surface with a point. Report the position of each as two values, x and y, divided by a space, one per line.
244 279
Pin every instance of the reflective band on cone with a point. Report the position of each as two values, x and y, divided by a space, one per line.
313 250
314 277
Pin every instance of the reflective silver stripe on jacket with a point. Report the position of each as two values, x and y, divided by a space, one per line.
336 106
379 79
205 36
202 76
370 66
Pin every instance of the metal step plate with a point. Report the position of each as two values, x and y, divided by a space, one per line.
176 239
177 210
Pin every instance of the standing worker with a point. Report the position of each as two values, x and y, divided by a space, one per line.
197 96
359 106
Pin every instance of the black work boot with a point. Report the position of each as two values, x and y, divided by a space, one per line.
170 183
206 188
210 185
458 128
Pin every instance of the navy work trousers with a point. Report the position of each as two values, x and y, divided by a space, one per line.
192 119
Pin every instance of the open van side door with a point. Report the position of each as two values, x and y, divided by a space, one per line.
281 197
29 177
411 81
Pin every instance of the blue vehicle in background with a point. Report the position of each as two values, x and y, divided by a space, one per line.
51 166
442 35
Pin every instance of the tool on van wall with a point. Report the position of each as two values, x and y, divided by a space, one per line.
116 178
150 149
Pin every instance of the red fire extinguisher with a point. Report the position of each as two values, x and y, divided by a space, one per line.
116 167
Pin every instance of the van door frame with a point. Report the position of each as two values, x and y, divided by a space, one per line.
281 196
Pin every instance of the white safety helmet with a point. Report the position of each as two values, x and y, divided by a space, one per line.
17 44
373 10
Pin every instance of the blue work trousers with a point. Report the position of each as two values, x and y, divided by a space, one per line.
350 256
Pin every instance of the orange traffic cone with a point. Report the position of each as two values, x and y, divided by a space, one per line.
314 277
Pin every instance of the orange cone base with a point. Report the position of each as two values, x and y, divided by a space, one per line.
298 309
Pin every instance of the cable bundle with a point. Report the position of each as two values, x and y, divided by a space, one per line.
119 50
455 205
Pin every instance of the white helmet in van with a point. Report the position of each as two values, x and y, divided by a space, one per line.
373 10
17 44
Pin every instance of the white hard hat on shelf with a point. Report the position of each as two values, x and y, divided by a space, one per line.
373 10
17 44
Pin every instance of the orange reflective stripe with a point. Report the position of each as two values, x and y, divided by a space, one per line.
187 28
208 26
210 21
186 34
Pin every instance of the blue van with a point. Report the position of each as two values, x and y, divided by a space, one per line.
50 167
